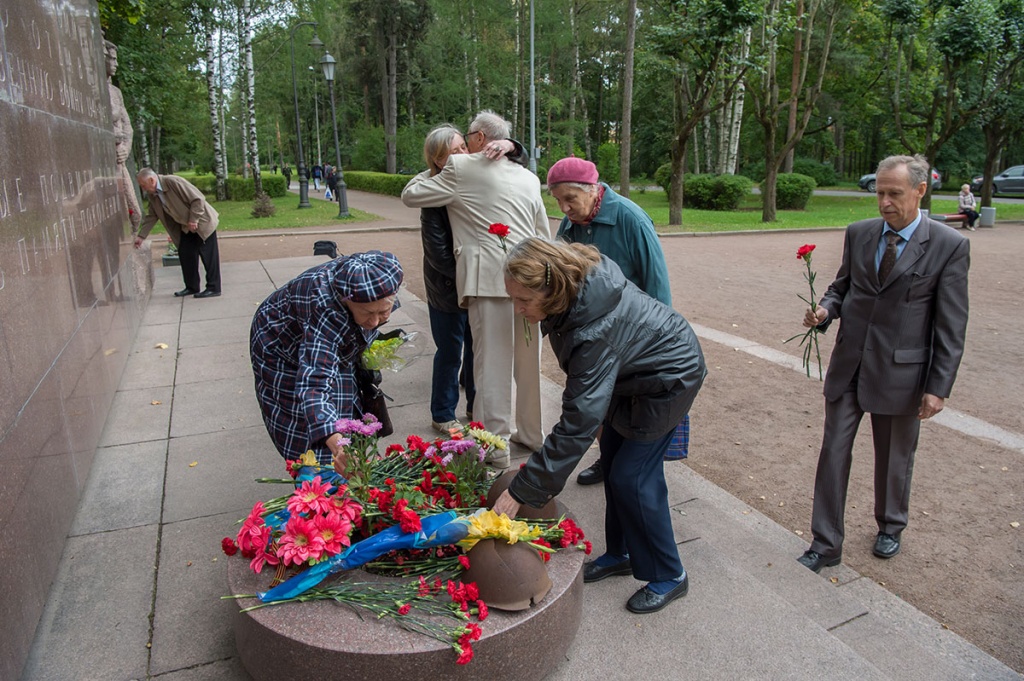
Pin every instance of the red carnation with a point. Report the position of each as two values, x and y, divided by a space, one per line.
404 609
228 545
499 230
482 610
805 252
464 562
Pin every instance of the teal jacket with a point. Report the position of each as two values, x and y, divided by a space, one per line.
622 231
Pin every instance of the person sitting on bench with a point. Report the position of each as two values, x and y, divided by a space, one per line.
967 205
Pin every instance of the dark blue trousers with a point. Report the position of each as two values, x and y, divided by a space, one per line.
454 341
637 519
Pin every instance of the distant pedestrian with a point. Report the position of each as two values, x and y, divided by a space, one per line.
286 170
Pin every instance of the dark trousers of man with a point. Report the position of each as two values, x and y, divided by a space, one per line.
191 249
637 519
895 440
454 342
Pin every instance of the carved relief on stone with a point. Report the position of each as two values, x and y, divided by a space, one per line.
123 136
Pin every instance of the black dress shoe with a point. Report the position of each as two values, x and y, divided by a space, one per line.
812 560
645 601
207 294
591 475
592 572
184 292
886 545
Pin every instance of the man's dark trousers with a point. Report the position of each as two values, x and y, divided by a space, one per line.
191 249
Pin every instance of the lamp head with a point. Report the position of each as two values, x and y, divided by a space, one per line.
327 63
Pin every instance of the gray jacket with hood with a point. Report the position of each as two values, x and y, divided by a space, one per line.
630 362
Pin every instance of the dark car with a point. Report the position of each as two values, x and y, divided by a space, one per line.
867 182
1010 181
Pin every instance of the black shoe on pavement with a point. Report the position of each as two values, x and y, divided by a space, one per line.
814 561
208 293
591 475
886 545
592 572
184 292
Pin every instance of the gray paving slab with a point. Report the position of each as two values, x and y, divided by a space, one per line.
215 363
96 621
192 578
214 331
906 643
149 368
814 596
125 488
243 273
135 418
221 670
221 480
727 627
283 270
148 337
161 310
214 406
240 302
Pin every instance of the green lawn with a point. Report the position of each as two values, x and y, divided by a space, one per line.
236 216
822 211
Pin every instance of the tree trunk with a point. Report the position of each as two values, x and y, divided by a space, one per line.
736 113
211 94
250 98
147 161
625 140
222 113
574 89
798 41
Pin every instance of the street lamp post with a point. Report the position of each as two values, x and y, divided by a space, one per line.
328 63
301 161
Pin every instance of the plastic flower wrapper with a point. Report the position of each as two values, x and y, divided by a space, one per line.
392 354
437 530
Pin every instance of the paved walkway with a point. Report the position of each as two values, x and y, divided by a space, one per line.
138 588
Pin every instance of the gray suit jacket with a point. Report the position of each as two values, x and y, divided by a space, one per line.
478 193
185 203
906 337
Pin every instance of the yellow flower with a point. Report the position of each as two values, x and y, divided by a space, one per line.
486 524
487 438
308 459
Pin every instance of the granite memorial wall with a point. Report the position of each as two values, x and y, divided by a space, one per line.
71 292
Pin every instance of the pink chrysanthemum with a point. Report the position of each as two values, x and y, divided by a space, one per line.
334 529
310 497
301 542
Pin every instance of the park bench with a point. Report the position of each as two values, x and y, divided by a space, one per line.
951 217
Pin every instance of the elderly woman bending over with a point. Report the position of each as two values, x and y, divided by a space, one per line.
631 363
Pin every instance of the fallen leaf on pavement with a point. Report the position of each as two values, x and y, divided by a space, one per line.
193 464
161 346
156 402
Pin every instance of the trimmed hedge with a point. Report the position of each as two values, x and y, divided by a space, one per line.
707 192
242 189
378 183
793 191
239 188
715 192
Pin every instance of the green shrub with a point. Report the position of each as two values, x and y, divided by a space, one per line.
663 177
274 186
715 192
368 152
754 170
608 162
542 173
378 183
823 173
793 191
207 184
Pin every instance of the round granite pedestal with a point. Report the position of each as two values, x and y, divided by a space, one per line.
326 640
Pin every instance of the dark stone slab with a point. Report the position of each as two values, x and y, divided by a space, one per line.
72 292
317 639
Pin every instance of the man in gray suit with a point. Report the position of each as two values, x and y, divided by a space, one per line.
901 292
191 223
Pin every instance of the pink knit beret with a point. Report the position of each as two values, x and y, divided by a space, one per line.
572 169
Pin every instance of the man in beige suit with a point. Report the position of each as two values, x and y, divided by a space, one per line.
480 192
190 221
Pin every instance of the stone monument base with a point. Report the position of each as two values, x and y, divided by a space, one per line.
325 640
170 260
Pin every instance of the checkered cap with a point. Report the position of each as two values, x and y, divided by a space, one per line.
370 276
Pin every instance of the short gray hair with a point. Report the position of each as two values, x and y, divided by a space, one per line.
582 186
918 170
145 174
493 126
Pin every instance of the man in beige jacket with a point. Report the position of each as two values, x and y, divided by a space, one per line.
190 221
480 192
